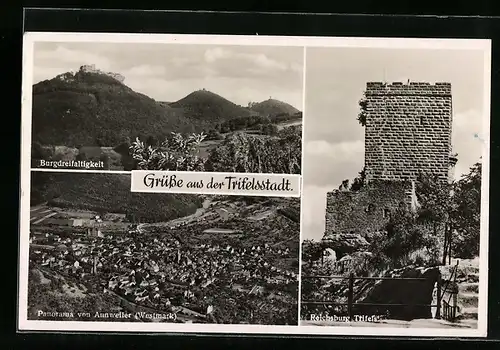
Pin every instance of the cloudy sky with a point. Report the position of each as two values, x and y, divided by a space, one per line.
168 72
333 138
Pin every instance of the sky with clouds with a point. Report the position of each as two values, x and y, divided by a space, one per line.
168 72
333 138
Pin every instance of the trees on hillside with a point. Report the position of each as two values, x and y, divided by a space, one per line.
245 153
239 152
242 123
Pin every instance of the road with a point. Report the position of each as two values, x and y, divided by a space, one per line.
182 220
290 123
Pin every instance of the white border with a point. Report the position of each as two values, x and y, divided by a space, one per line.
485 195
389 43
302 161
253 40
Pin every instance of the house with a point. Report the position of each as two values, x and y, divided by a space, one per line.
223 213
257 290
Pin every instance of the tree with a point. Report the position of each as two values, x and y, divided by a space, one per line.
434 197
436 207
175 153
467 213
453 211
402 237
269 129
123 149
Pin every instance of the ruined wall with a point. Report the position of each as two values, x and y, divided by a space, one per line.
408 128
90 68
362 212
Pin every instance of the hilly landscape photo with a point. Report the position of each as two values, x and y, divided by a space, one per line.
99 252
232 109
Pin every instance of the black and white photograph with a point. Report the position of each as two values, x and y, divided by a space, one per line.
385 233
166 106
394 184
100 253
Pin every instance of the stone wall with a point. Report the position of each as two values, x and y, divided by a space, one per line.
366 210
408 129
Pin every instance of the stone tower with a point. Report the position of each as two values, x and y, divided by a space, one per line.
407 130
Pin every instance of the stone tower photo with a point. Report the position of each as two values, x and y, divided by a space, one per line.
408 130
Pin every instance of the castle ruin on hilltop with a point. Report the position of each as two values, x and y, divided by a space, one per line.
407 131
90 68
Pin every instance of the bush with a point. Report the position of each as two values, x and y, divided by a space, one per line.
363 105
311 251
175 153
214 135
404 242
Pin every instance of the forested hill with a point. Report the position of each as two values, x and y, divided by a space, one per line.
208 106
93 109
108 193
272 107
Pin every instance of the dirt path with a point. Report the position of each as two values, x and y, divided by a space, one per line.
423 323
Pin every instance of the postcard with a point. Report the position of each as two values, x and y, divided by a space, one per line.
254 185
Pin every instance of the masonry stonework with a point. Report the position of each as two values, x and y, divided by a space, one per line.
407 131
366 211
91 68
